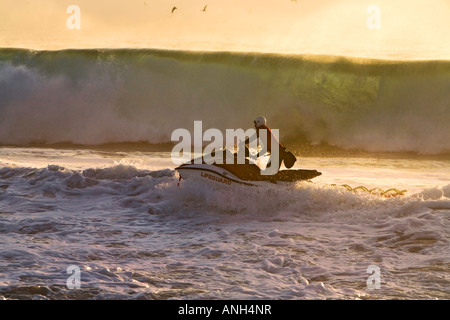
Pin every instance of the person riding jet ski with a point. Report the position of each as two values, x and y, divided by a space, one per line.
283 155
249 173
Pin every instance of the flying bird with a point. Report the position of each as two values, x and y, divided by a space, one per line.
174 8
204 9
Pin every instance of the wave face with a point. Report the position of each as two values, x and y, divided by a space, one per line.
104 96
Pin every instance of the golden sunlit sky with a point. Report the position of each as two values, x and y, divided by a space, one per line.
410 29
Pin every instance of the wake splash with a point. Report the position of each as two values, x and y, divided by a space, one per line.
158 192
93 97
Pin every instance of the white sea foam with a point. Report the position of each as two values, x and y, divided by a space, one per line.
135 234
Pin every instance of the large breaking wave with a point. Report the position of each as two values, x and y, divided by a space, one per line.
101 96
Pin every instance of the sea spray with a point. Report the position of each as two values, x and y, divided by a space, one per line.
101 96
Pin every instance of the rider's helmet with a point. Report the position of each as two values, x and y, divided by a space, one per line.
260 121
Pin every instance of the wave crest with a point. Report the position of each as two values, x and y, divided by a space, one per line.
94 97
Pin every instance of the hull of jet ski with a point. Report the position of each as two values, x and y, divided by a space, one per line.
243 174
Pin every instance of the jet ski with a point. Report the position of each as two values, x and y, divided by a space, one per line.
228 174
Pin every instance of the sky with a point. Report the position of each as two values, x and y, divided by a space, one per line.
410 29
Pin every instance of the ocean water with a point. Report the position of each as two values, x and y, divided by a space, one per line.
91 207
134 233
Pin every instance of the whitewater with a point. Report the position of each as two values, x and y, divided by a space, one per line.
122 218
93 97
87 180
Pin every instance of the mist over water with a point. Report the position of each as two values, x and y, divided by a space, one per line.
101 96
